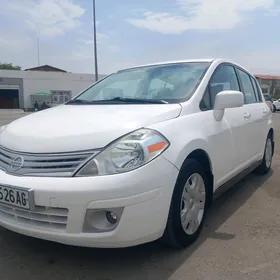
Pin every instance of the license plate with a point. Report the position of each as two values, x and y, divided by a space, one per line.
19 197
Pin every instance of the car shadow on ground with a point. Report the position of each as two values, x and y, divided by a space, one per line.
47 260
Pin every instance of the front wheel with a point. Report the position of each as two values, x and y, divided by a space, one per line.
188 206
273 109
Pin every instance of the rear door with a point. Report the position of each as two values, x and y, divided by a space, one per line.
255 116
265 114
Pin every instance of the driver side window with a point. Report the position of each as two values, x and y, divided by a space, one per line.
224 78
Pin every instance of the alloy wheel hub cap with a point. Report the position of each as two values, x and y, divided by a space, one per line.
193 203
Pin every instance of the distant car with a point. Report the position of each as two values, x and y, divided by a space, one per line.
270 104
135 157
276 105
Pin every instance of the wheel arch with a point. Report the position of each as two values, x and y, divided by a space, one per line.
271 133
191 147
201 156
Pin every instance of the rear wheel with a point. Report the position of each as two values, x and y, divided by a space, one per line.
273 109
188 206
267 157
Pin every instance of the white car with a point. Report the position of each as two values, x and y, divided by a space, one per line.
269 102
136 157
276 105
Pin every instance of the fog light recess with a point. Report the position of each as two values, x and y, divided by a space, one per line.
102 220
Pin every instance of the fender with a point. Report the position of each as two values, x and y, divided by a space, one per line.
186 141
186 150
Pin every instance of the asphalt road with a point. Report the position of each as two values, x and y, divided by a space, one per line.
239 241
7 118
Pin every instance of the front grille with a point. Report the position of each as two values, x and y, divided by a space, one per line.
63 164
49 218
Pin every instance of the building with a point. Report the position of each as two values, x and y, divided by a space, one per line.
20 89
46 68
269 84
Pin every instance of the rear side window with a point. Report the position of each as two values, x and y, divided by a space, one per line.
224 78
256 89
248 90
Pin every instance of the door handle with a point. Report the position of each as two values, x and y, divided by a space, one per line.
247 116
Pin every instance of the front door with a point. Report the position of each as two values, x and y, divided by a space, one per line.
227 137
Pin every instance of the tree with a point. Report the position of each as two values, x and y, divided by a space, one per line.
9 66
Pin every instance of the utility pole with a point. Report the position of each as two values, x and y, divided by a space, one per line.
38 44
94 41
38 51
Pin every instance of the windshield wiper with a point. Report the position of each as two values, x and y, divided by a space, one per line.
78 101
131 101
117 100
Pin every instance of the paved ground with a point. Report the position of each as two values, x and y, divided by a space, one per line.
240 241
6 118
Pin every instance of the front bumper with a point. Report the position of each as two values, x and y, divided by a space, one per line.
144 194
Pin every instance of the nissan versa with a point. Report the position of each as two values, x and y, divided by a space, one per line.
135 157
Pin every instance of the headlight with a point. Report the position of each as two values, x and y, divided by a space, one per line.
126 154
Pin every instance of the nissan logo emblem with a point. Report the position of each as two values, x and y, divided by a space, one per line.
17 163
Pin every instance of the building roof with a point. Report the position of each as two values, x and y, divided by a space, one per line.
46 68
42 94
267 77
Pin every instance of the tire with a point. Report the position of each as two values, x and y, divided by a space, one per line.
175 234
273 109
265 166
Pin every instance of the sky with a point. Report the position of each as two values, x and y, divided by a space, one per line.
131 32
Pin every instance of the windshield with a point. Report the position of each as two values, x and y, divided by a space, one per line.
153 84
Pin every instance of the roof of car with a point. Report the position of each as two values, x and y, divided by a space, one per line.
216 61
171 62
209 60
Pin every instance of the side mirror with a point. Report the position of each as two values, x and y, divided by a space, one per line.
227 99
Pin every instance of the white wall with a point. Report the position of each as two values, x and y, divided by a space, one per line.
38 81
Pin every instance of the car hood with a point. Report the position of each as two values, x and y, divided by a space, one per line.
81 127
